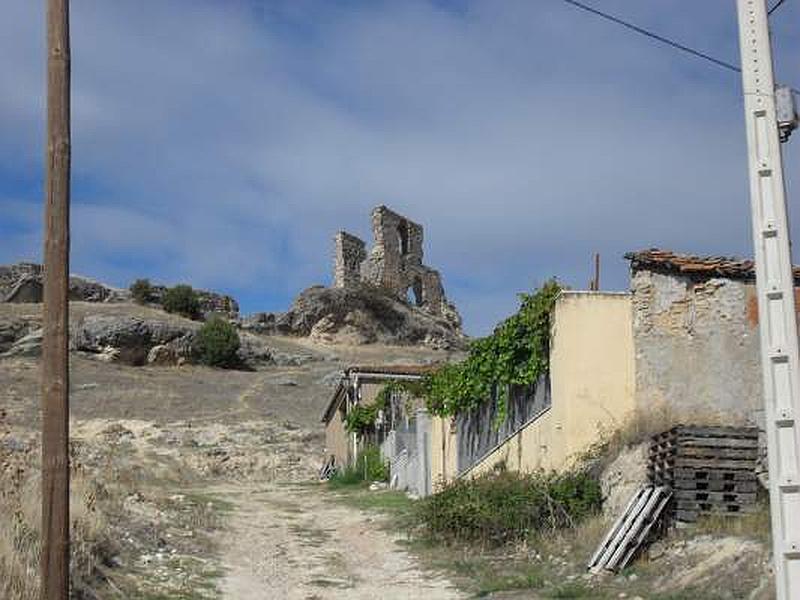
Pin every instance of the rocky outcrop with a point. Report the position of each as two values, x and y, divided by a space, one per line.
22 282
135 341
210 302
358 315
27 345
10 331
133 338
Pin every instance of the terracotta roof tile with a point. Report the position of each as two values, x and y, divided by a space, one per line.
665 261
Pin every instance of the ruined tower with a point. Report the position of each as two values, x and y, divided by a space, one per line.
394 263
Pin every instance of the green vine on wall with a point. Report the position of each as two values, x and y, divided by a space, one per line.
362 417
517 353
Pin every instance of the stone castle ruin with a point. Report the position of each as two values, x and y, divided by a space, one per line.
394 264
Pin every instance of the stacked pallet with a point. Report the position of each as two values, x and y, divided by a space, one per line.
711 470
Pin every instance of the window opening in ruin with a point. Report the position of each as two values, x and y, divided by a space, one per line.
402 234
415 295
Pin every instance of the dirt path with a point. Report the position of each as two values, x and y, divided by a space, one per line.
292 542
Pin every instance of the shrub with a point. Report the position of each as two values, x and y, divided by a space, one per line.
501 507
142 291
218 343
183 300
369 466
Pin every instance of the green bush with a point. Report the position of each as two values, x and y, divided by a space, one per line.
142 291
218 343
369 466
502 507
183 300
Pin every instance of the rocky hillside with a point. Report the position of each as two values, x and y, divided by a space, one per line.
22 283
355 315
360 315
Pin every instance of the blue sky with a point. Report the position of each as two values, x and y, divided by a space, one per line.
223 143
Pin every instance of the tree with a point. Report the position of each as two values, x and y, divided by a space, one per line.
142 291
183 300
218 343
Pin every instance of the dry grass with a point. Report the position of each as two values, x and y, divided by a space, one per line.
641 426
20 518
755 525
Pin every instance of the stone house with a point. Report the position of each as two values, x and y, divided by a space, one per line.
696 339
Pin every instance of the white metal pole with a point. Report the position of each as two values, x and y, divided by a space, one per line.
775 287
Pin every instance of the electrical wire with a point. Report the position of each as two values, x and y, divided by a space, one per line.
660 38
776 7
655 36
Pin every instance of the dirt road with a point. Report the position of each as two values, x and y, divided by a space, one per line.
294 542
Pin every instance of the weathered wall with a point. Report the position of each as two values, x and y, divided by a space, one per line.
337 440
350 252
697 347
591 380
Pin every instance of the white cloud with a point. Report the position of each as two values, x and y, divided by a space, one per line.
223 143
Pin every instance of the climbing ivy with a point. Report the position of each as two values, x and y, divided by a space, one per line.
517 353
361 417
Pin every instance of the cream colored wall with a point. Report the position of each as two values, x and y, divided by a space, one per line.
592 384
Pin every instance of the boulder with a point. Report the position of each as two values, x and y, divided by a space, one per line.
10 331
620 479
108 355
131 337
253 352
28 345
26 289
162 355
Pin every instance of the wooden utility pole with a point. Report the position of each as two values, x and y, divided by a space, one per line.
55 356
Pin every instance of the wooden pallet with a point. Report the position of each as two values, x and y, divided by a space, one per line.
716 485
711 470
631 530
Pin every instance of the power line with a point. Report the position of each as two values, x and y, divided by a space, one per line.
776 7
655 36
660 38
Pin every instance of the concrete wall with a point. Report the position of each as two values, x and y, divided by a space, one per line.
697 347
592 384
